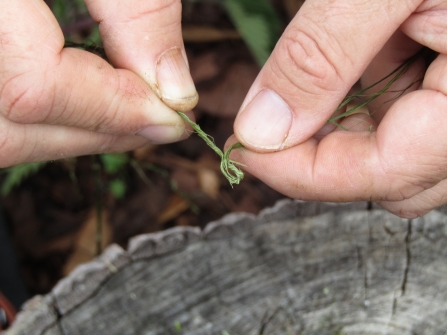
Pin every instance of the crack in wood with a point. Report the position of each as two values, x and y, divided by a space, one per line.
403 286
361 265
267 319
408 251
58 318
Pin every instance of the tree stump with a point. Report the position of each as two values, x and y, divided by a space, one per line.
297 268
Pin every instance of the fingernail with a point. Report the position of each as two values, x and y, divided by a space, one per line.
265 122
174 83
163 134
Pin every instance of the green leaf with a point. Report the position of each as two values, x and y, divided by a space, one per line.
59 9
15 175
118 188
94 38
258 23
114 162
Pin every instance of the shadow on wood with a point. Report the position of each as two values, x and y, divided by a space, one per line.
297 268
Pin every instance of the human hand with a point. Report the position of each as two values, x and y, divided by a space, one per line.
57 103
401 164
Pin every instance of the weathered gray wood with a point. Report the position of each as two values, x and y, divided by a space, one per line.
298 268
37 316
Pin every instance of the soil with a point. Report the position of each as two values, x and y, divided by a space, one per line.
53 215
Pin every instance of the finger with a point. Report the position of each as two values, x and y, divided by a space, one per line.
357 122
28 31
22 143
31 143
320 56
419 204
428 25
396 51
435 77
42 83
360 121
145 37
405 156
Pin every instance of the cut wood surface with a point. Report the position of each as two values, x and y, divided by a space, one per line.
297 268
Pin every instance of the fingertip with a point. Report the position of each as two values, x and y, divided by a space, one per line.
164 134
238 154
174 84
182 104
231 140
264 123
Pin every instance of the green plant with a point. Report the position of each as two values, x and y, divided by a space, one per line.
258 23
15 175
393 76
112 165
228 167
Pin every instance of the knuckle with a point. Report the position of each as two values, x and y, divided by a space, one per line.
408 213
22 100
304 62
113 115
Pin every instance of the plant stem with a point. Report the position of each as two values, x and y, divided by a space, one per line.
398 72
228 167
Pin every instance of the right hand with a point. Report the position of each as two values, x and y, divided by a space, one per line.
401 161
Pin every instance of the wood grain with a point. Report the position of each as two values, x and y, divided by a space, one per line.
297 268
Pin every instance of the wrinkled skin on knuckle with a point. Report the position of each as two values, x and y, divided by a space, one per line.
408 213
410 208
300 63
25 98
404 185
114 114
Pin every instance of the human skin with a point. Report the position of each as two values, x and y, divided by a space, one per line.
58 102
329 45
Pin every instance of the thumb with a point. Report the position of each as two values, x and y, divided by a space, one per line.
146 38
322 53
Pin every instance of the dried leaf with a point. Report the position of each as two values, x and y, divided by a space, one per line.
209 182
175 207
142 153
85 243
226 96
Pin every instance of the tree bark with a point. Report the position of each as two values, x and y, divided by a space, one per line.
297 268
